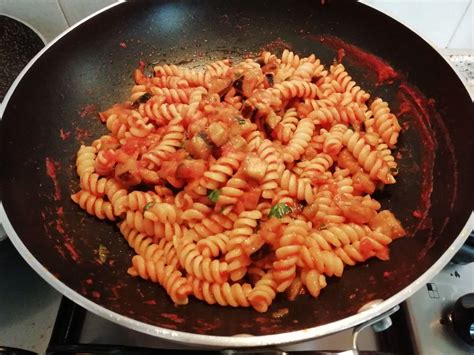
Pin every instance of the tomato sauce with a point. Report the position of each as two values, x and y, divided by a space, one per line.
64 134
71 251
51 167
383 70
88 110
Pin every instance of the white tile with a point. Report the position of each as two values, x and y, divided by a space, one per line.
43 15
76 10
464 36
435 20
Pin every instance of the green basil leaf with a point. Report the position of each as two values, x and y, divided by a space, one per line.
148 206
213 195
279 210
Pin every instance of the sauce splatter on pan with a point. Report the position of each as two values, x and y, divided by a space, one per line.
51 167
383 70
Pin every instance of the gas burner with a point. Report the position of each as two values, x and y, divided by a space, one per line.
434 314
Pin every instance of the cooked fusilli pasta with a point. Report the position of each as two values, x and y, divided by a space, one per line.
237 182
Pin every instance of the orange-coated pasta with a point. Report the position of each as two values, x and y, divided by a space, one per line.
238 182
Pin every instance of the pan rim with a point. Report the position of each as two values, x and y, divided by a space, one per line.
214 340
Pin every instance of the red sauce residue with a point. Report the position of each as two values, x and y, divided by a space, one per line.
64 134
341 53
72 251
60 251
276 44
141 65
89 281
95 294
173 317
51 167
204 327
82 133
404 108
416 105
53 224
87 110
417 214
114 293
384 71
123 44
59 226
387 274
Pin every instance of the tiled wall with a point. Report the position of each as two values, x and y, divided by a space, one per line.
448 24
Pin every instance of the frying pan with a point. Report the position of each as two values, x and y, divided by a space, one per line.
52 109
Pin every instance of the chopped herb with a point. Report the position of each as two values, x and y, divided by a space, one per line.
103 252
240 120
213 195
144 98
279 210
148 206
351 127
394 170
322 227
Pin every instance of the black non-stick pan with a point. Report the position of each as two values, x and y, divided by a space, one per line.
52 109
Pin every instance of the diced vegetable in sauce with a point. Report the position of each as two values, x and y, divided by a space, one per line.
190 169
386 223
218 133
144 98
254 167
198 147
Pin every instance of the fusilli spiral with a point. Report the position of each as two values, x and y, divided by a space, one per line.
239 181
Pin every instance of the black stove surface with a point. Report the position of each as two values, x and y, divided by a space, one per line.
18 44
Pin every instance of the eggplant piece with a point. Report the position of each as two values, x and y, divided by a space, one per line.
238 83
220 86
142 99
199 146
269 80
260 62
247 110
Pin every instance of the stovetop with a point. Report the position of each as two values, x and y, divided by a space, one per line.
428 311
